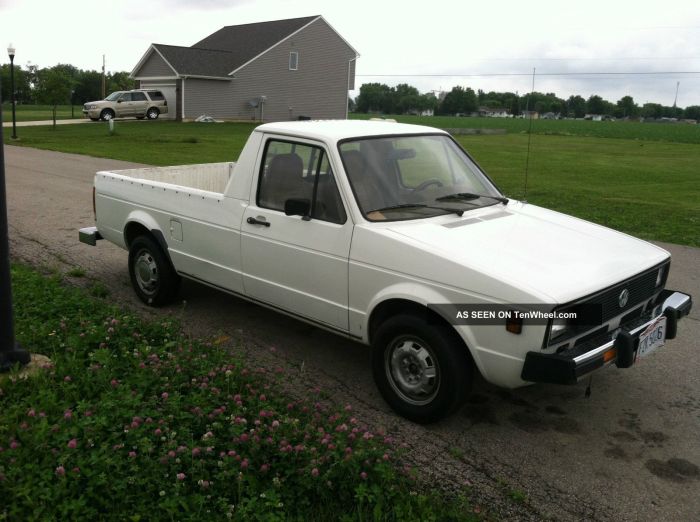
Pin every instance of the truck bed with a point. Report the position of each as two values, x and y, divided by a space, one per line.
210 177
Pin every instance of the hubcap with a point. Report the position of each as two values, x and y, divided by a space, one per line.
107 116
146 272
412 370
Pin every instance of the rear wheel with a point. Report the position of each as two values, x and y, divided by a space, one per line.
153 277
152 113
422 370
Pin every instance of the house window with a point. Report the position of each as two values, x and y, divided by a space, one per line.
293 61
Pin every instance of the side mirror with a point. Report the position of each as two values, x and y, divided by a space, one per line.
297 207
119 100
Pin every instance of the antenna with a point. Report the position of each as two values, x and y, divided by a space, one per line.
529 133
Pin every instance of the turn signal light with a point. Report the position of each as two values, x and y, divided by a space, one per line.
514 325
610 355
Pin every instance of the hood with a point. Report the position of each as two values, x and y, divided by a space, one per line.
550 255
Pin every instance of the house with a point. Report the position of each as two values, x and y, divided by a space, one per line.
530 115
490 112
268 71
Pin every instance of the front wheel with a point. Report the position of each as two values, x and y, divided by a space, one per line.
107 115
153 277
422 370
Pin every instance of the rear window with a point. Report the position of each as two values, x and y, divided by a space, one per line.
156 95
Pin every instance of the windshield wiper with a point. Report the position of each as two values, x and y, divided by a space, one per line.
457 211
469 195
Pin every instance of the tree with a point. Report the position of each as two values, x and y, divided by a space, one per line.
626 108
459 100
595 105
22 89
373 97
88 87
692 112
652 110
119 81
576 106
54 88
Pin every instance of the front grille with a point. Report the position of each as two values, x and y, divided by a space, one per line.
641 288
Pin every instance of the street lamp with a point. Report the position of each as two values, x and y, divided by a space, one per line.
10 352
11 52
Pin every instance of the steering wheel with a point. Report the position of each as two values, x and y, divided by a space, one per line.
425 184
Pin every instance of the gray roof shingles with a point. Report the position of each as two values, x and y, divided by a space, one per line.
227 49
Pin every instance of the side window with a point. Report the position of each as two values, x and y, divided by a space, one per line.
303 172
138 96
126 97
293 60
156 95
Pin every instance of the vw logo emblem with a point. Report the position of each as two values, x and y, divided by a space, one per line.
623 298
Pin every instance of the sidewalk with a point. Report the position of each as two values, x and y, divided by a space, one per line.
45 122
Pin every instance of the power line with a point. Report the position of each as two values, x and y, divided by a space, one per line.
489 75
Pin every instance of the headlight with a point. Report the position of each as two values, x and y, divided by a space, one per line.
92 106
558 329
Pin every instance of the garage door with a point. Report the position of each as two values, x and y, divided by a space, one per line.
168 90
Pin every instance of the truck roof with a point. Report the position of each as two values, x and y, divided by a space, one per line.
337 130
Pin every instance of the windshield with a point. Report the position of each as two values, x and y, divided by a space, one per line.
114 96
411 177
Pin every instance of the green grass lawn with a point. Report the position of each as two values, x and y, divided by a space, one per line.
648 188
134 420
675 132
40 112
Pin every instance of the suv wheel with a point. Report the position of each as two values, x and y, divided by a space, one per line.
107 115
152 113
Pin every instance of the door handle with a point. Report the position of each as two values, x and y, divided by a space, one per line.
251 220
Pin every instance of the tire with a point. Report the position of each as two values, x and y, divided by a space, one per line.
107 115
153 277
152 113
423 371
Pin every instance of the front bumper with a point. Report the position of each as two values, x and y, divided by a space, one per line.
92 113
619 346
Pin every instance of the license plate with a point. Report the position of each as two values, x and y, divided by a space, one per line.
653 337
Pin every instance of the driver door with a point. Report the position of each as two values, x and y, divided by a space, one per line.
298 263
124 105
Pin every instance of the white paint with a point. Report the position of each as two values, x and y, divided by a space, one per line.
336 274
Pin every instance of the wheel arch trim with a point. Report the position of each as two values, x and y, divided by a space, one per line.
418 297
143 220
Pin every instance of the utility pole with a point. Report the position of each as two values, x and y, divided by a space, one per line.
10 352
104 93
678 84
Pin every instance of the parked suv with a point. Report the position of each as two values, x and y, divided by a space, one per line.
139 103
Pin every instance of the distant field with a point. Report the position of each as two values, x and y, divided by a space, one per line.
39 112
650 189
678 132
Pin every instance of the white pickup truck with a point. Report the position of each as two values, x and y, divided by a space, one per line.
392 235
